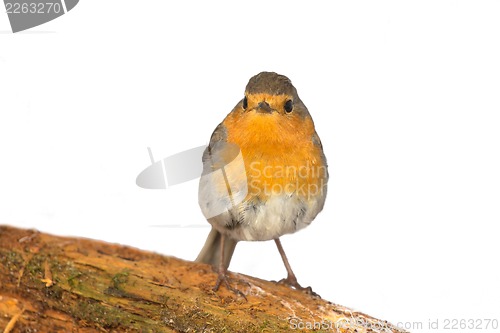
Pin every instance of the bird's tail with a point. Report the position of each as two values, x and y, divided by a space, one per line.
210 253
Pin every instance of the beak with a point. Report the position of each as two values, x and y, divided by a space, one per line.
263 107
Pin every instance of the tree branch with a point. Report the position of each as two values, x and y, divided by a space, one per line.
60 284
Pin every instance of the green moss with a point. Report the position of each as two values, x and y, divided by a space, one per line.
264 324
35 268
120 278
54 292
73 279
12 260
108 317
197 318
96 313
70 276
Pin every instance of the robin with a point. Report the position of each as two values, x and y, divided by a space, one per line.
272 177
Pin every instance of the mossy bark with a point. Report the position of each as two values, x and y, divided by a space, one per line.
59 284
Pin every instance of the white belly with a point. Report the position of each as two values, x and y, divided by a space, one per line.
280 214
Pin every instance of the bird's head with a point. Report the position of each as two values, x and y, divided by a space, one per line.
268 93
271 113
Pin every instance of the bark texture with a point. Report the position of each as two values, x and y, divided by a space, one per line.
60 284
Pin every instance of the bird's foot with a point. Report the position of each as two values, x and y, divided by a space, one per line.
222 278
291 281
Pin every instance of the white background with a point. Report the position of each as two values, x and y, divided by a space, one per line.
405 96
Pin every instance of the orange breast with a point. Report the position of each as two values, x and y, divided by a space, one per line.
279 153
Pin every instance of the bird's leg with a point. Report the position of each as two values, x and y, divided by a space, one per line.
222 272
291 279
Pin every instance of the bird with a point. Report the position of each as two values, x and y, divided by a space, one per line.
264 174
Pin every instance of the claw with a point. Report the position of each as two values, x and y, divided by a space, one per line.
291 281
222 277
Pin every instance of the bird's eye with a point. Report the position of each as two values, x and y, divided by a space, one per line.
289 106
245 103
